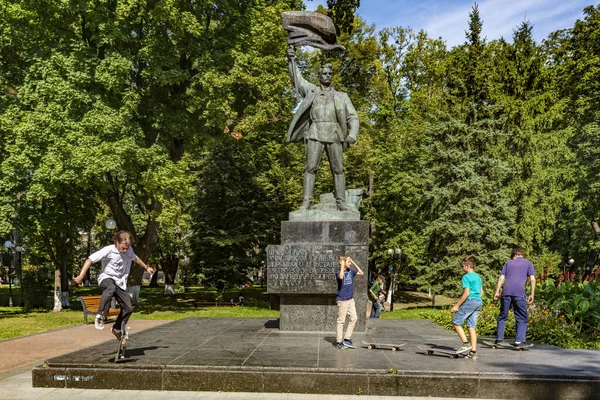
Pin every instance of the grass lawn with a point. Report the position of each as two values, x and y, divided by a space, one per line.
15 322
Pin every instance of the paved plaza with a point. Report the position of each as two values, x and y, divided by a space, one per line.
252 355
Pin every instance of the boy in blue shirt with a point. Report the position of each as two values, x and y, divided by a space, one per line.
345 301
468 307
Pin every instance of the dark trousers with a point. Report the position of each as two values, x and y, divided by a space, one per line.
110 289
519 305
376 310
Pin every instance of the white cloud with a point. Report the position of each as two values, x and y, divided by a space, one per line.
501 17
449 18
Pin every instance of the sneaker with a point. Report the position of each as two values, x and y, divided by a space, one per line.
117 334
498 341
99 323
340 345
464 348
472 355
520 345
348 343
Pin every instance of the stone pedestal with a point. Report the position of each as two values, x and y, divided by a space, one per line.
302 272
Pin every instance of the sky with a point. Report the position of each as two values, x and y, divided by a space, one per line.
449 18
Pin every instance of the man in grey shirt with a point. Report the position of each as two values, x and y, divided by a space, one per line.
116 264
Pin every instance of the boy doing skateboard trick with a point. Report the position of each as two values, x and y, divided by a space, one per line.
345 301
116 263
468 307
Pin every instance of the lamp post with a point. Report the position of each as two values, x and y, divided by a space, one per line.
567 264
393 253
14 249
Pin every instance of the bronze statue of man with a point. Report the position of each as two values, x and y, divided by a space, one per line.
325 120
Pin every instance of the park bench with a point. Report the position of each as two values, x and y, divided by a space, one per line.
90 305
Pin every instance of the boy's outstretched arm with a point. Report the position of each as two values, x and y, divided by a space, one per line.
139 262
86 265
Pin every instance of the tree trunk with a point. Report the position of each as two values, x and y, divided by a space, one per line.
144 246
169 265
154 279
64 284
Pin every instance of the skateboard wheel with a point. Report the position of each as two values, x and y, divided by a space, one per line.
369 347
393 349
429 353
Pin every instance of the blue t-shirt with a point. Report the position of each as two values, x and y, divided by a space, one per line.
346 285
472 281
516 273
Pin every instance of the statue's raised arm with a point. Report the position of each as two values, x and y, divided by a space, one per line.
301 85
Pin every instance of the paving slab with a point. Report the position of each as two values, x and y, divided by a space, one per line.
252 355
25 350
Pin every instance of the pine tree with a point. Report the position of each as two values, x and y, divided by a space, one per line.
466 213
538 154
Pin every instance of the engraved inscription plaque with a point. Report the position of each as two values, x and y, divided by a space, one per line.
303 268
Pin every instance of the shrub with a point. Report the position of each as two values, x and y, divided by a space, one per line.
566 314
550 326
35 285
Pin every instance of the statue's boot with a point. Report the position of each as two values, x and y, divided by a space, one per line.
339 185
307 191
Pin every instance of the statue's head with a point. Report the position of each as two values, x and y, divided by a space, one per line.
325 74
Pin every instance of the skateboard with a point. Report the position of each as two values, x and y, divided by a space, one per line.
495 345
430 350
392 347
122 343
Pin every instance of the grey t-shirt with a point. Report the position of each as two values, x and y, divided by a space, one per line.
115 265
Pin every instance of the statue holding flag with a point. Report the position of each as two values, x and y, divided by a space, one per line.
326 119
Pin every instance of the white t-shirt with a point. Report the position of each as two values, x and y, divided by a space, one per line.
115 265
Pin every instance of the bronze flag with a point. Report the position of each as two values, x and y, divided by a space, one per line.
307 28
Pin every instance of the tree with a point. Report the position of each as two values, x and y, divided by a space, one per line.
574 63
540 183
465 213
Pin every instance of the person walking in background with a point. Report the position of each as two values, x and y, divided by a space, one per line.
468 307
382 299
515 275
116 263
345 301
374 297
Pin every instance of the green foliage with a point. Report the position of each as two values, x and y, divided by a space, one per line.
548 325
35 286
171 117
577 302
413 313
